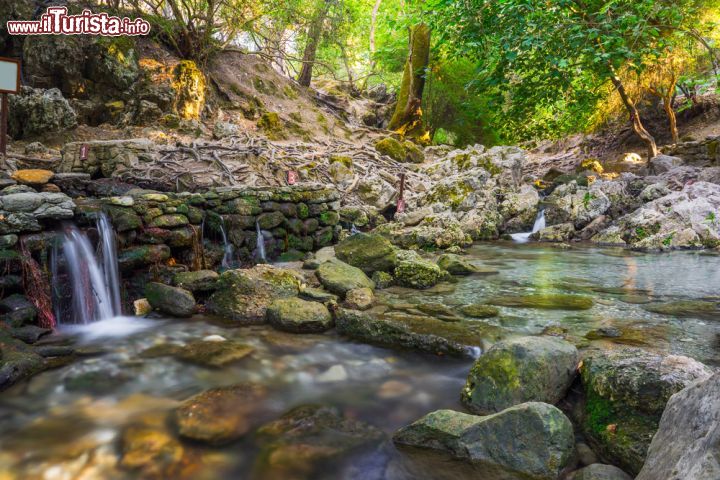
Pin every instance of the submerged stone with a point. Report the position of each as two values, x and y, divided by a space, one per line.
152 452
539 369
215 354
299 316
532 440
456 265
686 308
220 415
478 310
426 334
546 302
300 444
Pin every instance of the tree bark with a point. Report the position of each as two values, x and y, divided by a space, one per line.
408 112
313 40
373 26
638 127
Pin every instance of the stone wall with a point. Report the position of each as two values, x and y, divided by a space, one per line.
105 158
701 153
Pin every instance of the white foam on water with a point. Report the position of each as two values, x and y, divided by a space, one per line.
115 327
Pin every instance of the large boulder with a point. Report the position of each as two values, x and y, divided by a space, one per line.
413 271
244 295
688 218
539 369
299 316
37 111
626 390
339 277
368 252
220 415
421 333
531 441
664 163
199 281
687 442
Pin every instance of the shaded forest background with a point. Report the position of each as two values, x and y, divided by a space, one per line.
471 71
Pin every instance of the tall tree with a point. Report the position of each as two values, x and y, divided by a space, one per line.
408 113
314 33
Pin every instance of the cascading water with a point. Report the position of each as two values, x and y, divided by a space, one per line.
260 244
229 249
539 225
110 262
95 284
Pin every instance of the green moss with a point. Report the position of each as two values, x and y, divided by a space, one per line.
392 148
453 195
599 413
290 92
303 211
345 160
271 125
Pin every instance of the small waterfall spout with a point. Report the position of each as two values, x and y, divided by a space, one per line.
539 225
260 244
227 259
95 282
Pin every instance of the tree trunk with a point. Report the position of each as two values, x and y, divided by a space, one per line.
672 119
638 127
408 112
313 40
373 26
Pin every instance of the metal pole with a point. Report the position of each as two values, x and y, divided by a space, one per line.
3 124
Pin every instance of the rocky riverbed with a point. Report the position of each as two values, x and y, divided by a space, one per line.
203 398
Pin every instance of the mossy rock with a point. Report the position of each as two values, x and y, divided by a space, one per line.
420 333
478 310
169 221
174 301
339 277
539 369
272 126
382 279
626 390
456 265
532 440
413 153
123 219
413 271
199 281
368 251
136 257
687 309
392 148
344 160
544 302
330 218
299 316
244 295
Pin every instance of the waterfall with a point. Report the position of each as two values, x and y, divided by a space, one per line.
110 262
94 283
539 225
260 244
229 249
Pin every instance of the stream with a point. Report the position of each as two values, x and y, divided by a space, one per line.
67 423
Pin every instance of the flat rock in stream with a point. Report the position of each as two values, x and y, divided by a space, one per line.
545 302
300 443
426 334
220 415
532 440
339 277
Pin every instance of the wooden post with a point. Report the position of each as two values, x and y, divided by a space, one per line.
3 124
401 201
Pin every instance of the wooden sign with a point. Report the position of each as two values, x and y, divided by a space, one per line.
84 151
9 83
